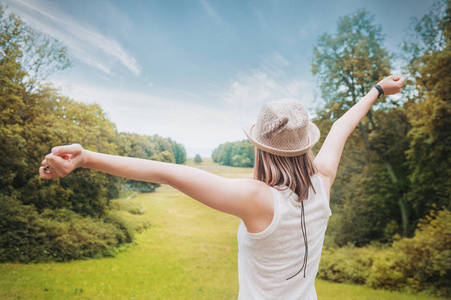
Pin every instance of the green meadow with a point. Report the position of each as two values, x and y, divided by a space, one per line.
188 252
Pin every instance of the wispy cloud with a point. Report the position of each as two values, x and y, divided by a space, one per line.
201 128
212 13
84 43
267 83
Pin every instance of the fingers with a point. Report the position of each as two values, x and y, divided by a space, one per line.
60 162
392 84
44 174
398 78
402 80
54 166
73 149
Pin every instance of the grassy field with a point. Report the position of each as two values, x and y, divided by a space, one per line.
189 252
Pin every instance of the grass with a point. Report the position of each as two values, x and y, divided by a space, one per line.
189 252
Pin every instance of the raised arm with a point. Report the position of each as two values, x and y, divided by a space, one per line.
233 196
329 155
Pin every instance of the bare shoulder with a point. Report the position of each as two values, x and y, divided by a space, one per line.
254 189
259 206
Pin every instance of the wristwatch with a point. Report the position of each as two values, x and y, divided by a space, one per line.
379 89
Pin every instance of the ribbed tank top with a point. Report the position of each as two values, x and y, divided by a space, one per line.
268 258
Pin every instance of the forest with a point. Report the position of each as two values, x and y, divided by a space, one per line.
68 218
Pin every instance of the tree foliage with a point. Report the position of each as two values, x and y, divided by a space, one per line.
38 56
428 157
149 147
33 118
197 159
348 64
235 154
396 165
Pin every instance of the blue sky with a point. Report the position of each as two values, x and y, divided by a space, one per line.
197 70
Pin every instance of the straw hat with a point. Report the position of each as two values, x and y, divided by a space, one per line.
283 129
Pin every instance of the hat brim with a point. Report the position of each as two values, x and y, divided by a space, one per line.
313 134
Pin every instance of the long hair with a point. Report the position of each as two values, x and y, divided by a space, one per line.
280 171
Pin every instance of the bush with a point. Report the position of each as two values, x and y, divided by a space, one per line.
421 263
56 235
347 264
426 258
126 233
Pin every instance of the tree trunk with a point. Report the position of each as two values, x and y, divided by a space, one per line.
394 180
401 203
365 137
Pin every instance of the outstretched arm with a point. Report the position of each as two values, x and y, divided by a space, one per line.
233 196
329 155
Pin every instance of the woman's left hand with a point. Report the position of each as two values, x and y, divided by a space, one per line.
62 161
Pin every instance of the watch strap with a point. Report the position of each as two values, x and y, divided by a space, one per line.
379 89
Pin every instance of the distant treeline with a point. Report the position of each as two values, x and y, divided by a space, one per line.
71 217
235 154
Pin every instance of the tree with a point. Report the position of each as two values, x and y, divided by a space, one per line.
148 147
179 152
37 55
198 159
235 154
429 110
347 65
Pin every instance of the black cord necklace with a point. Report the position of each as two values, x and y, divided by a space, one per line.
304 234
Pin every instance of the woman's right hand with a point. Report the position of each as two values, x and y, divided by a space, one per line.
392 84
62 161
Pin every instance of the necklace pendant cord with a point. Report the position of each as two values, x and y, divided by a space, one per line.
304 234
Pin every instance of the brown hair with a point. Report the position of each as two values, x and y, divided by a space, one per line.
292 172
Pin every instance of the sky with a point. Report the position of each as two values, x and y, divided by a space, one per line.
197 71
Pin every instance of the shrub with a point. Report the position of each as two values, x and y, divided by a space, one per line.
56 235
347 264
426 258
421 263
125 234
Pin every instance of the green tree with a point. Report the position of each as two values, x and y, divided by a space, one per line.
197 159
235 154
148 147
429 110
179 152
347 65
37 55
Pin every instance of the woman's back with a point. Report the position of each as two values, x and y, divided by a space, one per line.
268 260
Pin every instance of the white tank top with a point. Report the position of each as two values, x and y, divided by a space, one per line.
267 259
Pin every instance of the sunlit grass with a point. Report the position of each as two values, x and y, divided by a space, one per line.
189 252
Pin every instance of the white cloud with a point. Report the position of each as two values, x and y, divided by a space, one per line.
267 83
200 128
86 44
251 88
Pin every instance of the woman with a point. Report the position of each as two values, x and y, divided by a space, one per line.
284 210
